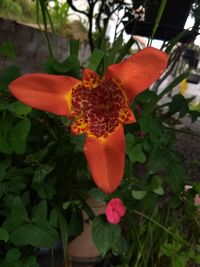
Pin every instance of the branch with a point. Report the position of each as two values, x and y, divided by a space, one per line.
76 9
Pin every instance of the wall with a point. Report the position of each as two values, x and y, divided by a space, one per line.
31 48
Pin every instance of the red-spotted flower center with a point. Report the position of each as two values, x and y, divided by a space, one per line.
98 110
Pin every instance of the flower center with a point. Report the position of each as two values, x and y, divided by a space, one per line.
97 110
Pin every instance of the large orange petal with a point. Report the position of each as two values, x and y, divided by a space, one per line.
51 93
105 158
139 71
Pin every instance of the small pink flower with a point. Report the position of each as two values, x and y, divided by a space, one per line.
197 200
115 209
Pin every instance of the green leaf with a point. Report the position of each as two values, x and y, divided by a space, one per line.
7 76
152 105
40 213
5 125
78 141
111 56
18 135
7 50
104 234
5 146
66 205
176 176
4 164
139 194
30 234
36 157
125 49
97 194
13 255
53 218
159 191
157 160
4 235
179 104
155 183
75 226
18 216
19 109
74 47
41 172
136 154
130 141
150 126
95 59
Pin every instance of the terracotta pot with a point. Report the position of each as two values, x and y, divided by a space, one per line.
82 249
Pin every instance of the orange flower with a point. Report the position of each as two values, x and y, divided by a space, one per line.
98 106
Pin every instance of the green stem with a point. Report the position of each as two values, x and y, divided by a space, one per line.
158 18
173 84
177 237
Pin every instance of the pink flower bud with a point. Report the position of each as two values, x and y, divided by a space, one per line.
114 210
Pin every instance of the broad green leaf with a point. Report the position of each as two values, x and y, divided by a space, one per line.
31 261
5 146
30 234
104 234
13 254
150 126
40 212
18 135
155 182
136 154
19 108
66 205
157 160
4 235
75 226
18 215
130 141
6 122
53 218
139 194
179 104
36 157
159 191
176 176
41 172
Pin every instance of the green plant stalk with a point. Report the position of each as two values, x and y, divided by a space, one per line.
41 4
140 255
125 49
158 18
173 84
177 237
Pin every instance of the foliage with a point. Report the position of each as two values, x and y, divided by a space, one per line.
44 179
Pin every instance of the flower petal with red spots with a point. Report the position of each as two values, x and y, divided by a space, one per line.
105 157
139 71
51 93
